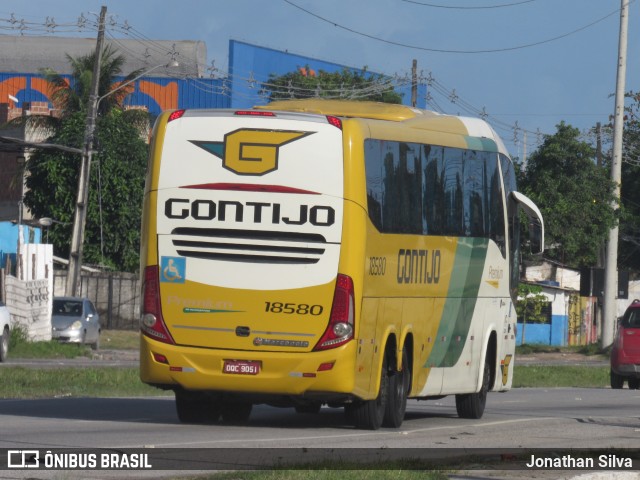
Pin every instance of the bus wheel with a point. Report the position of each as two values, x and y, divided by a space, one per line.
398 390
633 383
196 407
369 414
236 413
472 405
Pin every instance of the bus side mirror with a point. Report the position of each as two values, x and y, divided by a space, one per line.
536 223
536 236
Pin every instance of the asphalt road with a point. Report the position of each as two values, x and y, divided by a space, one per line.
522 418
559 418
553 419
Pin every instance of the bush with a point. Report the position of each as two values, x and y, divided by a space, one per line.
21 347
18 337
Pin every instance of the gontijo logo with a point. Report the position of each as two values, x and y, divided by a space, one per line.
249 151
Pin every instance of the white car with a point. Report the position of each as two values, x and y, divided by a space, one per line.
5 331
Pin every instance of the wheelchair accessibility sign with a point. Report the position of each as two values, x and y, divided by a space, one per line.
173 269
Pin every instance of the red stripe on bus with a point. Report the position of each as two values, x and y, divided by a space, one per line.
247 187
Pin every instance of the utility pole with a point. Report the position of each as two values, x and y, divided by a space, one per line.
611 265
80 217
414 83
599 161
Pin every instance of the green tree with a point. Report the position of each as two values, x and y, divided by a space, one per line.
574 196
629 245
344 85
529 307
117 172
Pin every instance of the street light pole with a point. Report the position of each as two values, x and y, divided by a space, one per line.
611 266
80 217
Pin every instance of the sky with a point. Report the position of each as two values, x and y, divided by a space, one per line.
526 64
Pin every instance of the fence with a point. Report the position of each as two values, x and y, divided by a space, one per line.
116 296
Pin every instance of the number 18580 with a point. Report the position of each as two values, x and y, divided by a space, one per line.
293 308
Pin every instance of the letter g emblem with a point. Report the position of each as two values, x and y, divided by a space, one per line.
249 151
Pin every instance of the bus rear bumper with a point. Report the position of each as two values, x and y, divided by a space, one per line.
311 374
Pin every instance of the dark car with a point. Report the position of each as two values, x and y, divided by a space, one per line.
625 353
75 320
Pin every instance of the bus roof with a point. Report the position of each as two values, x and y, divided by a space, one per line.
348 108
410 117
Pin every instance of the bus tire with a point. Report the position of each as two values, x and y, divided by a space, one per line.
236 413
399 382
369 414
471 405
196 407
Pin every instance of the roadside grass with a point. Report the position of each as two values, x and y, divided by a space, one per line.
20 347
21 382
554 376
120 339
130 340
551 376
588 350
335 471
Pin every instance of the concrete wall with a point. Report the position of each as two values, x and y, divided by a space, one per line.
28 294
572 321
29 304
554 333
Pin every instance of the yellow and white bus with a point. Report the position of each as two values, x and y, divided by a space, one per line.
312 252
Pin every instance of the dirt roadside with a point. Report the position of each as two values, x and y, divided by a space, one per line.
558 358
543 358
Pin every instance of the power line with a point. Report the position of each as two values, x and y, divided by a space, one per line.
449 101
154 48
424 4
438 50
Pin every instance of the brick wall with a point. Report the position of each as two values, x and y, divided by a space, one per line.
9 112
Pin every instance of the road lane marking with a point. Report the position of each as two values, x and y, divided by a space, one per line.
345 436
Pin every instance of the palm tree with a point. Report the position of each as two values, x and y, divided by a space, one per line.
119 164
72 97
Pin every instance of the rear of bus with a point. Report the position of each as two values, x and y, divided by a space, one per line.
243 293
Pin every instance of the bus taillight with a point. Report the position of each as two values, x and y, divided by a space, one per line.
341 324
335 121
151 322
176 115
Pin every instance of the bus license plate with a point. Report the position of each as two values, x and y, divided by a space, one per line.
241 367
